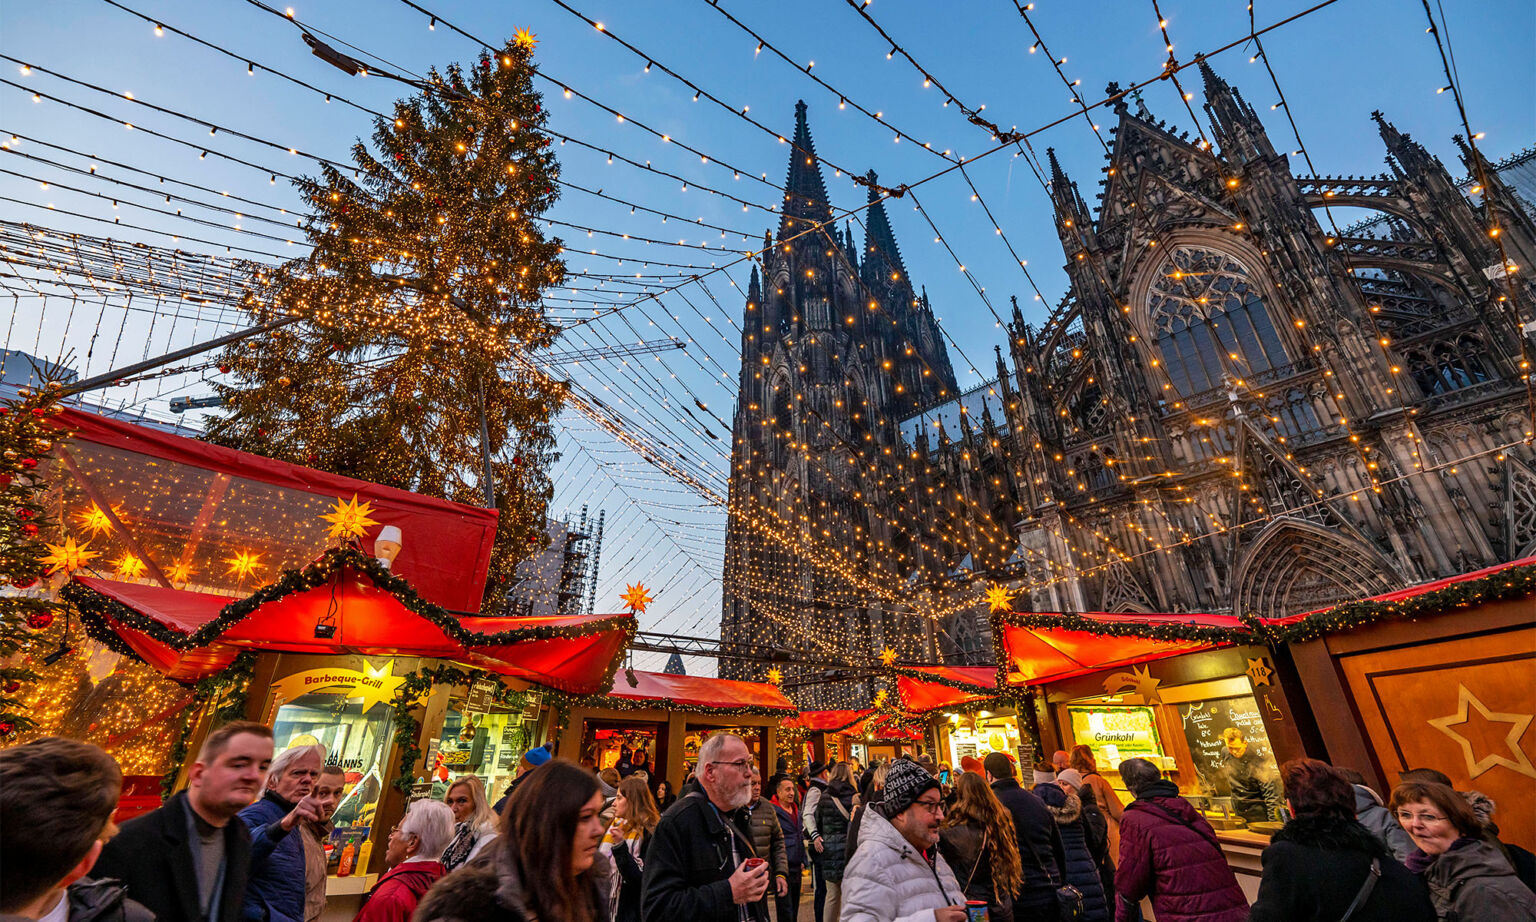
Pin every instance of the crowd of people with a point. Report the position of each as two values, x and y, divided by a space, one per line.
902 841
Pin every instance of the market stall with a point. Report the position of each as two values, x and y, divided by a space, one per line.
966 713
836 735
669 717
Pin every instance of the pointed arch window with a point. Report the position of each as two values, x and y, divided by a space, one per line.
1209 320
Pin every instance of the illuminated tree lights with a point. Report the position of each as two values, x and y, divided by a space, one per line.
419 306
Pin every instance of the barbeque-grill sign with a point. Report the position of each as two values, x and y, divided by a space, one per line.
374 686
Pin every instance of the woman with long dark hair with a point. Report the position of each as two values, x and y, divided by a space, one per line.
978 841
664 796
545 865
626 844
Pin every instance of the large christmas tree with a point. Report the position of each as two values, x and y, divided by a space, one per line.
421 305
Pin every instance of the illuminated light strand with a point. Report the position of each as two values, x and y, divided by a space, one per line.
1056 65
1172 68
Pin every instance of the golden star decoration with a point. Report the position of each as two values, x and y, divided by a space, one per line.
636 598
1259 672
888 657
349 518
999 598
775 676
1140 679
180 572
524 38
1465 702
95 519
880 697
68 556
243 564
130 566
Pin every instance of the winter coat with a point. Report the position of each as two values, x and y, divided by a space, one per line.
1472 881
628 857
969 853
395 896
153 858
276 889
858 818
1380 821
794 836
768 840
1315 866
1099 840
808 818
1169 852
688 870
103 900
1039 851
888 880
1082 871
1109 804
488 889
833 812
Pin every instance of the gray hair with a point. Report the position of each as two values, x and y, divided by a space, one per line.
292 754
1138 774
713 747
431 822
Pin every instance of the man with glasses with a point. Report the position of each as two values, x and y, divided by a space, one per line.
897 872
702 864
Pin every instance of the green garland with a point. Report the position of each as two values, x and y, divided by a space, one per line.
406 702
229 691
609 702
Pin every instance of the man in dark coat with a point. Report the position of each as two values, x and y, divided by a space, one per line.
1040 849
702 865
188 860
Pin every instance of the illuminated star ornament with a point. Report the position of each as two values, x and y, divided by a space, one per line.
637 598
523 38
180 572
130 566
880 697
775 676
349 519
95 519
68 556
999 598
888 657
243 564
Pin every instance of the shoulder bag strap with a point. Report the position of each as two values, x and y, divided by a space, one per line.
1365 890
980 857
1031 846
838 803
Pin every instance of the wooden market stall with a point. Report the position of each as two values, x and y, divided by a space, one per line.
966 713
669 717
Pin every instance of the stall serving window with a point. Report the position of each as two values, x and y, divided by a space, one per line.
624 747
480 737
695 737
976 735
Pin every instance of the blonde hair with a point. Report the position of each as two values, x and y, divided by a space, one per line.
640 811
483 818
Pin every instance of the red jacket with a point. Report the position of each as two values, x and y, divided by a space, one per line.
1169 852
394 897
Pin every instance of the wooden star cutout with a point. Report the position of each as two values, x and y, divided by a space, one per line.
999 598
1465 701
68 556
637 598
349 519
1140 679
1259 672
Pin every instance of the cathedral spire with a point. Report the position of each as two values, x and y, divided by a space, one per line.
882 259
1234 124
754 288
805 194
1074 223
1408 153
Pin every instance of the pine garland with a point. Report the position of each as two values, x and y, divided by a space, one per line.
228 690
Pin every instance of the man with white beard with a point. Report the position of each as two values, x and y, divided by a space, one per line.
701 864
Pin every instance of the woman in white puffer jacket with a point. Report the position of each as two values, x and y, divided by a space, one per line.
897 874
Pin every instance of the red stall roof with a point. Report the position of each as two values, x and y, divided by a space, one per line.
1413 591
190 506
827 721
191 635
1041 647
948 687
723 695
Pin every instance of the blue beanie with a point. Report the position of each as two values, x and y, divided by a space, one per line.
536 756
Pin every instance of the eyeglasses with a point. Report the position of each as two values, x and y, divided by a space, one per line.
1405 818
740 765
932 806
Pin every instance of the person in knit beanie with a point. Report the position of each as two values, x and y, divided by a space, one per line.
897 872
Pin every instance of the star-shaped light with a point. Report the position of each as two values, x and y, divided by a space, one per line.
524 38
999 598
775 676
888 657
95 519
880 697
180 572
130 566
68 556
243 564
349 519
636 598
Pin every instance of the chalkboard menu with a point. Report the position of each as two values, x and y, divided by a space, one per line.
1230 748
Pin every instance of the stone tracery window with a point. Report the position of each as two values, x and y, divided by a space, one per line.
1205 309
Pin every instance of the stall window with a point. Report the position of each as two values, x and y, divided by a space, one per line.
1118 732
356 739
1234 764
972 735
481 738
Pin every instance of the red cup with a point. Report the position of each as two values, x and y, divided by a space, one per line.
755 863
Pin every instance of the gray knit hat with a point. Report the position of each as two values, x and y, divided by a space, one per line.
905 782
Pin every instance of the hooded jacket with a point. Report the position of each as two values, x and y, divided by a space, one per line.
103 900
1082 871
1379 820
276 889
1315 866
888 880
488 889
1472 881
1169 852
395 896
768 840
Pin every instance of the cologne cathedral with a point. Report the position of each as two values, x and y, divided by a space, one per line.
1240 406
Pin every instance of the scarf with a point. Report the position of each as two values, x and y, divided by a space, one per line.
465 835
793 809
1418 861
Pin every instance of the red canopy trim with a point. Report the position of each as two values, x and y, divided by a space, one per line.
930 688
446 547
190 635
691 694
1513 580
827 721
1032 648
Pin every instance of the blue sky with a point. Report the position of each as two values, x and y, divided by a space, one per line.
1335 66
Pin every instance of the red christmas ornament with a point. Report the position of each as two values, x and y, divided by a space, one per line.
24 582
25 512
29 529
223 369
7 728
39 620
12 687
5 411
29 463
39 412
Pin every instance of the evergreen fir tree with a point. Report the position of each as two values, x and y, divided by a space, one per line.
421 294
